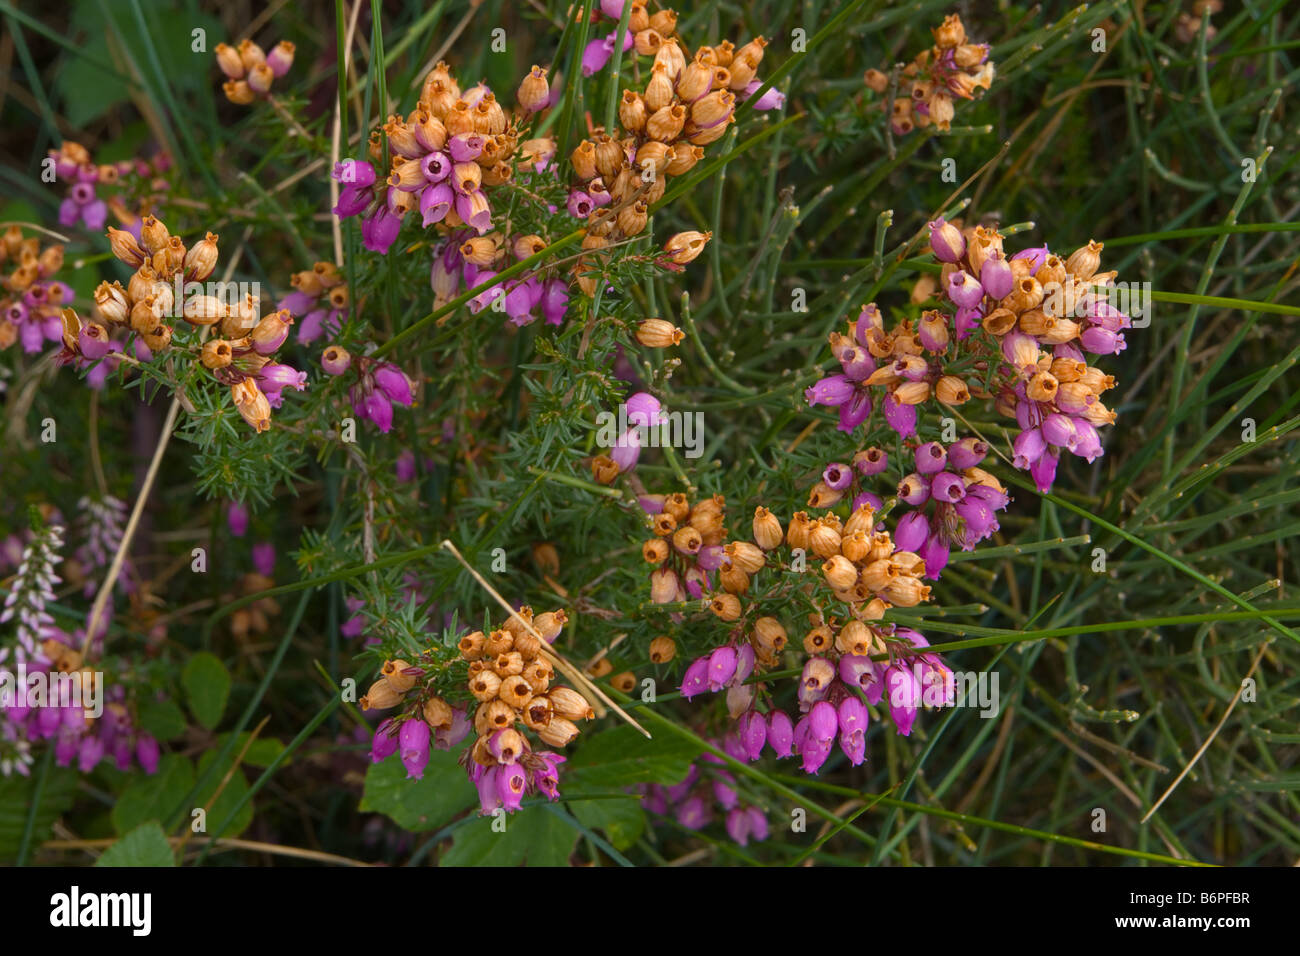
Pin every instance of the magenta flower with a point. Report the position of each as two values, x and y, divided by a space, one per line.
413 741
384 742
903 696
780 733
852 715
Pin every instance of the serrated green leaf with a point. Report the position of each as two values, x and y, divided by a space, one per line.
149 797
146 845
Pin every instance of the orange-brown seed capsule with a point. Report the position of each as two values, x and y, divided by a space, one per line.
725 606
558 732
533 91
818 640
484 685
498 642
569 704
515 691
125 247
686 246
662 650
840 573
437 713
658 334
380 696
471 646
746 557
767 529
655 551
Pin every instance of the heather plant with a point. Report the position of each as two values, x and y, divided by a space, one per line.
616 433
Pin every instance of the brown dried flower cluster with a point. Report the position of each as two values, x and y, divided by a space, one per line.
953 68
510 676
29 295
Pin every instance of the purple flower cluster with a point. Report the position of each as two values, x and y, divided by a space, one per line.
1046 315
103 523
412 738
322 310
506 784
75 739
694 802
361 195
522 297
641 411
954 502
379 387
82 204
725 668
34 314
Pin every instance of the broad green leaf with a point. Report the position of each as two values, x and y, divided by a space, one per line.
532 837
162 718
623 821
146 845
86 91
443 794
149 797
620 757
207 682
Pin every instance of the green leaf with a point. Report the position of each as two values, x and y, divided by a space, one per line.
207 682
532 837
426 804
261 753
623 821
15 801
233 792
149 797
621 757
162 718
146 845
87 92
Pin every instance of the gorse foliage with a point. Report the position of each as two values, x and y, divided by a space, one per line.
859 433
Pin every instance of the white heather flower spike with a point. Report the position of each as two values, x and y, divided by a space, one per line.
33 587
